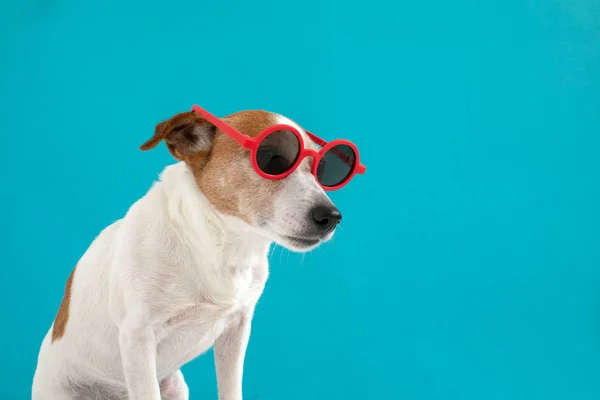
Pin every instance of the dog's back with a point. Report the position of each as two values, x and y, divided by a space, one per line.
83 314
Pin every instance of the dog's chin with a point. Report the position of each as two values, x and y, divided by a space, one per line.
301 244
298 244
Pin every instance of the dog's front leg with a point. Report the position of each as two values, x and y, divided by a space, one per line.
230 350
138 353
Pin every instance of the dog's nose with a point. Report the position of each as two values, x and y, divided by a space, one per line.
326 217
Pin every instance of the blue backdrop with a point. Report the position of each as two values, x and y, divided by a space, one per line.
468 266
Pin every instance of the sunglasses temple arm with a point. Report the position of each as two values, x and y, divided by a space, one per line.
239 137
316 139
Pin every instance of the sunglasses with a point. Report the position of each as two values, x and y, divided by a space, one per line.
278 150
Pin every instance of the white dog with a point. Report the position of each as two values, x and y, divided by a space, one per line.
182 271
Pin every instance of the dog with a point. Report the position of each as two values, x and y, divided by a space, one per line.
182 271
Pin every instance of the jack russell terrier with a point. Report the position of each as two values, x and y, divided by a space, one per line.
183 270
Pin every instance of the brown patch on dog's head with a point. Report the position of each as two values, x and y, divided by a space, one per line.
222 167
62 317
228 179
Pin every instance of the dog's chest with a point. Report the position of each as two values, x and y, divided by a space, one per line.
192 332
195 326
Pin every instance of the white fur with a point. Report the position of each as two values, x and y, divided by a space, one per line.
155 290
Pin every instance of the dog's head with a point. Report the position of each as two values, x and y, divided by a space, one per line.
294 212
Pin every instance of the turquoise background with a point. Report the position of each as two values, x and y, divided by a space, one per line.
468 266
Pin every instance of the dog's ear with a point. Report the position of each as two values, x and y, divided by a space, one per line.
185 134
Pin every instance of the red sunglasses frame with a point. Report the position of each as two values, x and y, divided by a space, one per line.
252 144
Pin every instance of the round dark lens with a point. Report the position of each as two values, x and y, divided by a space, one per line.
336 165
278 152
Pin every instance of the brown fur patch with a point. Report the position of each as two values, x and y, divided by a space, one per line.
62 317
222 168
227 178
251 123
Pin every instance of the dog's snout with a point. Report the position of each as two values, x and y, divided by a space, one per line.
326 217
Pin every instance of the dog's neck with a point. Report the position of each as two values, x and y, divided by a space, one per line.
226 240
